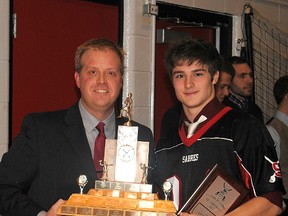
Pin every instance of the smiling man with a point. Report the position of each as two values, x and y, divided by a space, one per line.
241 89
210 133
54 148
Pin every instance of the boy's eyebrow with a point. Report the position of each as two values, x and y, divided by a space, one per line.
199 69
194 71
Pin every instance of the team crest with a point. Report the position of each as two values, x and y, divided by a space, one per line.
276 168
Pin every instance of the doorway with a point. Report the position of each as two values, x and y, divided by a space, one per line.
176 22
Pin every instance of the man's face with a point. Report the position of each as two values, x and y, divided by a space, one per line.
223 85
193 86
99 80
242 83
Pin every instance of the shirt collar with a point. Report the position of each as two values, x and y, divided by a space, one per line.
209 111
241 103
90 121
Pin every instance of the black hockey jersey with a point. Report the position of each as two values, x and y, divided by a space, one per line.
241 145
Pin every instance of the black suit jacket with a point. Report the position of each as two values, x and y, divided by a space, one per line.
46 158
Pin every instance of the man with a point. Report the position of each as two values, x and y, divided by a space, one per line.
239 143
222 87
54 148
278 128
241 89
172 115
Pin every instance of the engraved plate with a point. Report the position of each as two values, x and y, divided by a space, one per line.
102 184
68 210
132 213
132 187
147 196
145 204
114 193
116 213
117 185
126 154
145 188
100 212
96 193
84 210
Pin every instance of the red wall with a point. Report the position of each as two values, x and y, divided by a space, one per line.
48 33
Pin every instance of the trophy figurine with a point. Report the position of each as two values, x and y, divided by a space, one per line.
105 170
145 173
127 109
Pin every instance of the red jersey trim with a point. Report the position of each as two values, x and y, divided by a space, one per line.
189 141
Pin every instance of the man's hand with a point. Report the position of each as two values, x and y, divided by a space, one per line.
53 210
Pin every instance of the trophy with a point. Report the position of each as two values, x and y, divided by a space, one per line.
127 153
167 188
123 189
82 181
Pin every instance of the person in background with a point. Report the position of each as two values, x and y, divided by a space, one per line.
210 133
172 115
226 74
54 148
278 128
241 89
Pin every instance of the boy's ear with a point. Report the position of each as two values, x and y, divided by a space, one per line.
215 78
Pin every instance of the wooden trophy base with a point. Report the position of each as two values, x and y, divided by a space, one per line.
111 202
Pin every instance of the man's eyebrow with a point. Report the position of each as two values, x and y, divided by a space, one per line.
246 72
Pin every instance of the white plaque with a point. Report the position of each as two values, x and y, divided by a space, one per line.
126 160
111 154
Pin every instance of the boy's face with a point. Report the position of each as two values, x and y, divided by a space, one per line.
193 86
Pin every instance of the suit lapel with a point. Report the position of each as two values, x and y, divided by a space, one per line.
75 132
